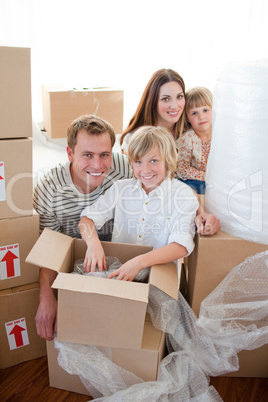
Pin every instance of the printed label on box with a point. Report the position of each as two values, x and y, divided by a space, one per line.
9 261
17 333
2 182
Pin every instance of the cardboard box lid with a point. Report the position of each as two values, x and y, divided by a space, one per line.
89 284
50 250
53 250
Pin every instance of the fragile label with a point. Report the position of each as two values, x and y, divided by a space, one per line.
17 333
2 182
9 261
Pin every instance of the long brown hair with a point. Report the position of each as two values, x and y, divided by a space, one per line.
146 113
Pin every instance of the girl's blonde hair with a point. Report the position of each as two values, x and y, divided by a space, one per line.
146 138
196 97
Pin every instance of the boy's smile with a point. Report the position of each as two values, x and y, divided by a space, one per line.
150 169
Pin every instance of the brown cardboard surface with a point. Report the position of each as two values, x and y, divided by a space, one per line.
61 106
17 235
15 94
16 179
252 363
17 304
212 259
111 307
143 362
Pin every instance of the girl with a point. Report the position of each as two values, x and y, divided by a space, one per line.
162 104
152 208
194 145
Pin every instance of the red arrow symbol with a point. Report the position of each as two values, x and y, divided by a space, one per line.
16 331
9 258
1 178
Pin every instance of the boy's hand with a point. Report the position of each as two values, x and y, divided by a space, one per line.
207 224
128 271
94 257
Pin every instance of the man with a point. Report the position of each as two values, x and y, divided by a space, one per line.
65 191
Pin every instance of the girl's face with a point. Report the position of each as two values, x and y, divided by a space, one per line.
171 102
150 170
200 119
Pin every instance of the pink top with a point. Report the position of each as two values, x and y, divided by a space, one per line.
193 156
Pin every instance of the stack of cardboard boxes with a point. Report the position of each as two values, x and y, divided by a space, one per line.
19 226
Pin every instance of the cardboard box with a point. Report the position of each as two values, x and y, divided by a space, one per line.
15 94
16 178
17 237
19 341
212 259
61 106
252 363
144 362
99 311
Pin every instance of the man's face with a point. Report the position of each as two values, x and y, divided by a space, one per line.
90 161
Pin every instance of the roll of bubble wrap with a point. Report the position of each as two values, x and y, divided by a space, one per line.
237 169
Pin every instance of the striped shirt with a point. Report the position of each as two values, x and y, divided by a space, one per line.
59 203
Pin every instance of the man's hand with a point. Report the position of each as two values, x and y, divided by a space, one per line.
46 317
207 224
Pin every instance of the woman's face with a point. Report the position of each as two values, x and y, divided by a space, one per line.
170 105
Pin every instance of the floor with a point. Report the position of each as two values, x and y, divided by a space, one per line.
29 382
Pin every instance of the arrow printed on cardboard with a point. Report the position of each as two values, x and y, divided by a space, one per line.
17 333
9 261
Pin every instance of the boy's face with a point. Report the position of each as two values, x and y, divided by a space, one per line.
200 119
90 161
150 170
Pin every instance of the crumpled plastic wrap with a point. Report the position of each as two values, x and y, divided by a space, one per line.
233 317
236 174
112 264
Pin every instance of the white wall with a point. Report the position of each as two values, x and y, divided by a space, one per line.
121 43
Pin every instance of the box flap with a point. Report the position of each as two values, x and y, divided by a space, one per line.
165 278
51 250
102 286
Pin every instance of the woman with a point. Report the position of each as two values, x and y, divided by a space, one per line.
162 104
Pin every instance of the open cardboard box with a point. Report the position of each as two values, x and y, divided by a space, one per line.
99 311
144 363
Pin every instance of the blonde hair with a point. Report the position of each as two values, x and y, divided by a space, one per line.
146 138
196 97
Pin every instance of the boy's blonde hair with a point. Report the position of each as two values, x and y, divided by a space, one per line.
146 138
197 97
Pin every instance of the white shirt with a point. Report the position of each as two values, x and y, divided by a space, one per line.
164 216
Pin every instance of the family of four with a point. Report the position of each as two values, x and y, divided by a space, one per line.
101 195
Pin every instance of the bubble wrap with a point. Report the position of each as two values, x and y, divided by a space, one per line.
112 263
237 168
232 318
